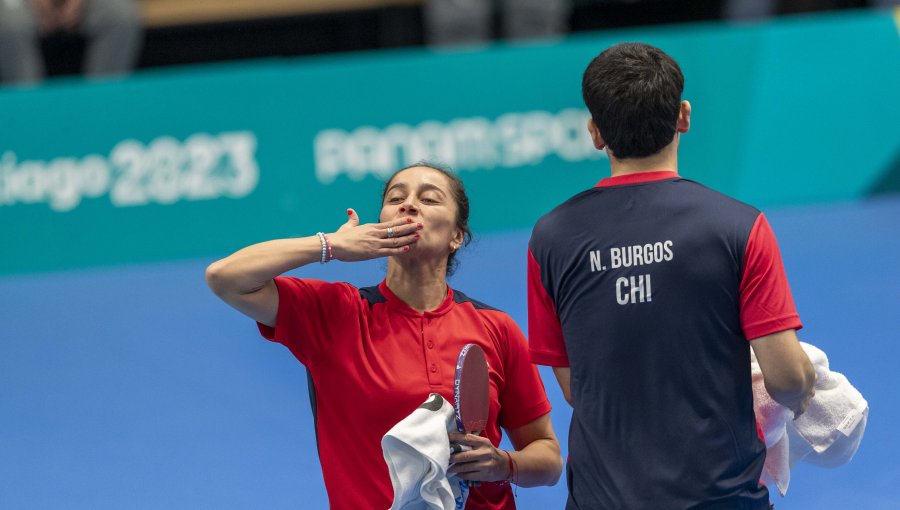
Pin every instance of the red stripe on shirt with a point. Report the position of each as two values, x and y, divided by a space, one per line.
545 338
767 306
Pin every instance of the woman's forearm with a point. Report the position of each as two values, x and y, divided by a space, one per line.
250 268
538 463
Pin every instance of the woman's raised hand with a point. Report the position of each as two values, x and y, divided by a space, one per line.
354 242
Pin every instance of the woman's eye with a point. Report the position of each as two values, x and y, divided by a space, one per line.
429 200
395 200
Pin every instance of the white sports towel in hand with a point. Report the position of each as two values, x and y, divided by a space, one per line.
827 434
417 453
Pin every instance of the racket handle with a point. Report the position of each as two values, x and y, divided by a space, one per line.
473 483
458 448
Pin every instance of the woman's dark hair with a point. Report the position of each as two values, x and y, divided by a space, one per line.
633 92
458 191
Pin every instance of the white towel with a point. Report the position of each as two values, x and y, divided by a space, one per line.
417 453
827 434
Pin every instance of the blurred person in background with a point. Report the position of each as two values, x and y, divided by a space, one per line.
112 28
740 10
449 22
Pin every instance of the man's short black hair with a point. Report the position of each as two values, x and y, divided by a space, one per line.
633 92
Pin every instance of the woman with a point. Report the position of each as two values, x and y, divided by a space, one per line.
374 354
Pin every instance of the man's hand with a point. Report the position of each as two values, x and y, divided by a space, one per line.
787 372
800 408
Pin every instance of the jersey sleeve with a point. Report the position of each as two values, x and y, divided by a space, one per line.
544 330
767 306
307 311
522 398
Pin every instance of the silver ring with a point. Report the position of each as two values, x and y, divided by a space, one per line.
390 231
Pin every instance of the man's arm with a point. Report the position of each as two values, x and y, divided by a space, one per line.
787 372
563 375
770 321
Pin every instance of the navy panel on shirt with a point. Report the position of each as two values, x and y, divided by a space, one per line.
645 281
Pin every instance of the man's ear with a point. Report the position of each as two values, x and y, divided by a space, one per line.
599 143
683 124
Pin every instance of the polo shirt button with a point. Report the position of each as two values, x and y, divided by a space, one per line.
430 344
433 368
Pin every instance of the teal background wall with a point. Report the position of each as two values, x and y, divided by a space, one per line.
176 164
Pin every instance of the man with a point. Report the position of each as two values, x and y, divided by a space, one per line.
643 294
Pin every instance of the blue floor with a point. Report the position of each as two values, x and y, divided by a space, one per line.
135 388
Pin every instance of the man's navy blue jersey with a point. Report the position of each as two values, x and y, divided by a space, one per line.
649 287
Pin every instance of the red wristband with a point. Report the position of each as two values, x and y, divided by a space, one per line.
512 468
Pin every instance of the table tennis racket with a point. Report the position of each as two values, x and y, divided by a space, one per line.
471 390
471 395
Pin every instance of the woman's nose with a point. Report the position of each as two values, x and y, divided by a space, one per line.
408 206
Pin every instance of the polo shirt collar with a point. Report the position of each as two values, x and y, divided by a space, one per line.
399 305
637 178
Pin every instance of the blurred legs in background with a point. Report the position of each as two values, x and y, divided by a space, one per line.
449 22
20 54
749 9
112 29
535 19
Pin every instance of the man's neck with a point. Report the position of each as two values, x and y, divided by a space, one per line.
664 160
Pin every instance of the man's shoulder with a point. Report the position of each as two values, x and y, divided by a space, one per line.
709 195
550 221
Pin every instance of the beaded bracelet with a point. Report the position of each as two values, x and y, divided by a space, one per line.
324 242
